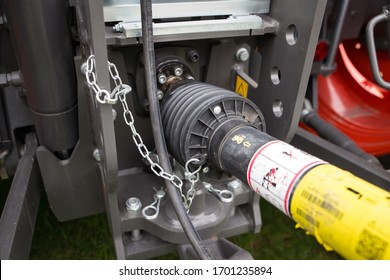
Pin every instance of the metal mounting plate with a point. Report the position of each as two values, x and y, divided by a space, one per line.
131 33
129 10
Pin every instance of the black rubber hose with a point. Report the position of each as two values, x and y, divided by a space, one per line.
335 136
158 134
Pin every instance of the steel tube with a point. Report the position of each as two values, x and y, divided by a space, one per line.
372 50
42 43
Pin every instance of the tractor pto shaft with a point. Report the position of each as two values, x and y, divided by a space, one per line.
342 211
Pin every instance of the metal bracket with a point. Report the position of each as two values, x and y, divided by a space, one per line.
17 221
233 26
129 10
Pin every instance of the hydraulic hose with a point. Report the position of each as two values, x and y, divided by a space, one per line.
335 136
158 134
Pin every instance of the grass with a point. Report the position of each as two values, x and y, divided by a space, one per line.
89 238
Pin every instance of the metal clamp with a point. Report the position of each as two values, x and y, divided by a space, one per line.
155 206
224 196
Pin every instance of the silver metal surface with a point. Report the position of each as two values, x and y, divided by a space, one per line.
242 54
129 10
96 155
235 185
178 71
217 110
160 94
161 78
267 25
232 23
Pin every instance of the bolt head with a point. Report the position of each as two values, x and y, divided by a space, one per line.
83 68
206 169
234 186
133 204
242 54
160 94
161 78
96 155
178 71
160 194
114 114
217 110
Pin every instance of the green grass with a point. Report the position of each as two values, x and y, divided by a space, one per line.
89 238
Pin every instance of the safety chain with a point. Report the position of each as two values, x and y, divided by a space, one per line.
103 96
192 177
120 91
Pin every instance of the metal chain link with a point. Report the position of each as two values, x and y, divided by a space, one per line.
192 177
103 96
119 92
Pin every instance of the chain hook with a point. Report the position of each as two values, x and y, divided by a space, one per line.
155 206
224 196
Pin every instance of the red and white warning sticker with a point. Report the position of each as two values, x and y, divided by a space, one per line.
275 169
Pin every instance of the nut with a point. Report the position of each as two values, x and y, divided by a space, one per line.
133 204
234 186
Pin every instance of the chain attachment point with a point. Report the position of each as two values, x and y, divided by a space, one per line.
120 91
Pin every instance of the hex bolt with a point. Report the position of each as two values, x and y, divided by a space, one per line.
178 71
217 110
234 186
96 155
160 94
242 54
161 78
133 204
206 169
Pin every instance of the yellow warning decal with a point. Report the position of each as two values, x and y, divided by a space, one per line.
344 213
241 87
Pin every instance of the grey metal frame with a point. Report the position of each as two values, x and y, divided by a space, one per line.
88 186
18 218
111 137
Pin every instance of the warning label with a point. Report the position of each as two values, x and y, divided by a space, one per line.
274 170
241 87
